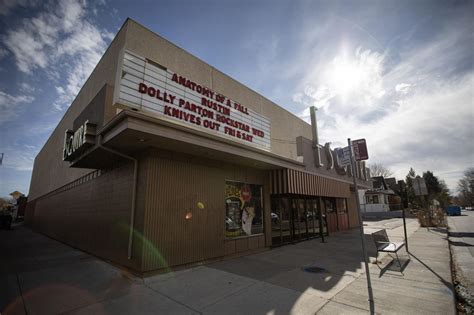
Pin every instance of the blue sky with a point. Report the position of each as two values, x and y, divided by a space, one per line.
398 73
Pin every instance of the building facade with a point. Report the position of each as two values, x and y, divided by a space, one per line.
162 160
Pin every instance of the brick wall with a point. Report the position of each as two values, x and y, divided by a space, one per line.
93 214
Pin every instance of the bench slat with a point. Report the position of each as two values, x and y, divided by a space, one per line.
392 247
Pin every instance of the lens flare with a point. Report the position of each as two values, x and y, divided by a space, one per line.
149 249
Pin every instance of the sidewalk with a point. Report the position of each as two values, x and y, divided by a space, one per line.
54 279
424 287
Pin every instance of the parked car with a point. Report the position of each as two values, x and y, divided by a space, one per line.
453 210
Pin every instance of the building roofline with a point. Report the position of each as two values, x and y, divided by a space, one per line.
214 68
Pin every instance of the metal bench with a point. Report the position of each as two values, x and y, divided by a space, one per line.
383 244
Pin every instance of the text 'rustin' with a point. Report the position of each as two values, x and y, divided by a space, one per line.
208 93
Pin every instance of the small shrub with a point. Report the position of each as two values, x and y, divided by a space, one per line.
431 218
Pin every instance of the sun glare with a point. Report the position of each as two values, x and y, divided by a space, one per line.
347 75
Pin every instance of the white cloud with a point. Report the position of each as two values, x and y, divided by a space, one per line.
20 158
417 112
429 130
63 43
27 88
350 82
28 51
72 12
402 88
9 105
108 35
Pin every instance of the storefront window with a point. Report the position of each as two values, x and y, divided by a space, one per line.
329 204
244 209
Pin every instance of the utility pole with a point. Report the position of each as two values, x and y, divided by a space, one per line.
361 230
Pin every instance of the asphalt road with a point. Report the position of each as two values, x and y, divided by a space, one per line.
461 238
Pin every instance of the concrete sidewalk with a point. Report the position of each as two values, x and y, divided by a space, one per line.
53 278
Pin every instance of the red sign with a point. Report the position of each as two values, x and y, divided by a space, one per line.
360 150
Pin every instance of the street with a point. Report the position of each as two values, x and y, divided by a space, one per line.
461 239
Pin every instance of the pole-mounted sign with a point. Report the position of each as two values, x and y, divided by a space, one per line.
359 147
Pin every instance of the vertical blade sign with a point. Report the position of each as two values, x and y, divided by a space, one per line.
360 150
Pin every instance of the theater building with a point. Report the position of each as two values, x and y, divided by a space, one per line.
162 161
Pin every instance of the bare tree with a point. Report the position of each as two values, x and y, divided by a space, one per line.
466 188
378 169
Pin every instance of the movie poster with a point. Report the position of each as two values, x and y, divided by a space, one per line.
244 209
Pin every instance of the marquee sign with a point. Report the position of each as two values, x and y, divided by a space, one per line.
151 88
75 142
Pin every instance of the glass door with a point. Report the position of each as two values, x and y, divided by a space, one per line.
285 220
281 221
275 220
305 218
313 217
296 219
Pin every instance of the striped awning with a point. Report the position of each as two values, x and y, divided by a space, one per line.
288 181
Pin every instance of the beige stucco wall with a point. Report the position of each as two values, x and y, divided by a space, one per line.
51 172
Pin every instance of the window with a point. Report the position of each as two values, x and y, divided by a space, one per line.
368 200
375 199
244 209
372 199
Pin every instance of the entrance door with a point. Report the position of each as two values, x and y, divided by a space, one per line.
312 215
281 221
294 219
301 220
343 220
331 214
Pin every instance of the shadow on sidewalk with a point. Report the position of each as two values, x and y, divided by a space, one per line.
455 243
461 234
394 266
446 283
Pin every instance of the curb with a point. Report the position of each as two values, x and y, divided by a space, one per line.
464 300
